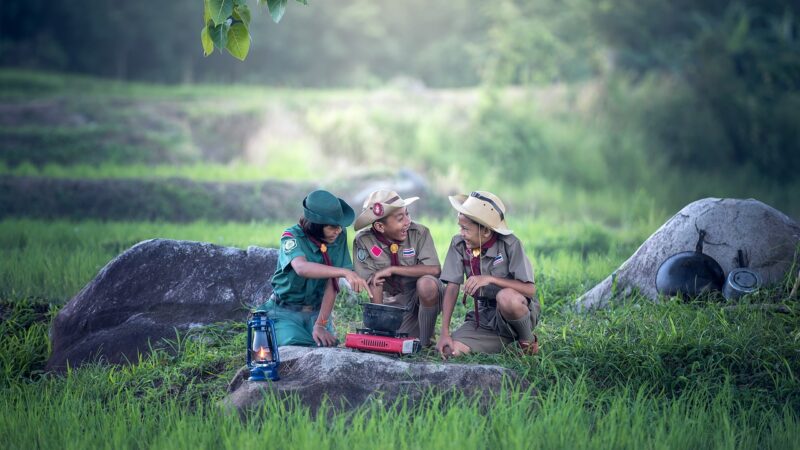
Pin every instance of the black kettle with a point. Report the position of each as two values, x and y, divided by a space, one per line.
689 273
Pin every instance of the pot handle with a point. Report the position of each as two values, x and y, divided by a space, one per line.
742 258
699 247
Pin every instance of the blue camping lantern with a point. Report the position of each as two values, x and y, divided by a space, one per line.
262 353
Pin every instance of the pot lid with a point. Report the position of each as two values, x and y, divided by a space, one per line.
744 279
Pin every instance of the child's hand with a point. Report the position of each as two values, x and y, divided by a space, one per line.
380 276
476 282
323 337
445 346
357 283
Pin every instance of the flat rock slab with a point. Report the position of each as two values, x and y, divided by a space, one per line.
152 290
770 238
349 379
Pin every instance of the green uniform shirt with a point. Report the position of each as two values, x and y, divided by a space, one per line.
372 256
504 259
294 289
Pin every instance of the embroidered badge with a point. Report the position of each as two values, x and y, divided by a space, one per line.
361 254
376 251
409 252
287 233
377 209
497 259
289 245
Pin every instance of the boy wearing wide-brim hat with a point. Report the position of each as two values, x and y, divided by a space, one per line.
498 275
312 257
399 261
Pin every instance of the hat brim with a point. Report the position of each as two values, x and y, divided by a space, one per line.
367 217
347 216
458 204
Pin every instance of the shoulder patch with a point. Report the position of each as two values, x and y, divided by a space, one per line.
289 245
376 251
361 254
287 233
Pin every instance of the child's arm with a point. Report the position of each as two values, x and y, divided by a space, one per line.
321 335
474 283
448 305
308 269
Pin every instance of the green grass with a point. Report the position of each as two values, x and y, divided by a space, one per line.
673 375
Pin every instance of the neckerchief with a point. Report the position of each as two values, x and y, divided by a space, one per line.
324 250
474 263
393 249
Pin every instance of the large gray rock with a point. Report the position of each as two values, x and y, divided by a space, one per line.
349 379
769 237
153 289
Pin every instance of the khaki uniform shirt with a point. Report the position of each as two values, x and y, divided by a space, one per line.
370 256
504 259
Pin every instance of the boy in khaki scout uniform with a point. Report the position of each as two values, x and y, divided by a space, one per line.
398 259
499 277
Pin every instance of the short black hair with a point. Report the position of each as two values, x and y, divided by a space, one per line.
315 230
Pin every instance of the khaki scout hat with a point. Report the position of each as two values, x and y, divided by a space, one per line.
484 208
380 204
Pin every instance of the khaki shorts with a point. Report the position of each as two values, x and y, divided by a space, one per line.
494 333
410 323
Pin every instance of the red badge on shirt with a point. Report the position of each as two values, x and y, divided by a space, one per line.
376 251
287 233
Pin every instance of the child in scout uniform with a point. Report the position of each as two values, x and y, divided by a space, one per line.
499 277
312 257
398 259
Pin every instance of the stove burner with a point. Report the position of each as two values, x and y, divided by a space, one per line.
380 333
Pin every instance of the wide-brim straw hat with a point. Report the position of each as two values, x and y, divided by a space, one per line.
324 208
484 208
380 204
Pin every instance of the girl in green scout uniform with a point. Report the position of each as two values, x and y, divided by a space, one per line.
312 257
499 277
399 261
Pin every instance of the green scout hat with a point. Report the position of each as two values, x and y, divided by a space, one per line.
484 208
324 208
380 204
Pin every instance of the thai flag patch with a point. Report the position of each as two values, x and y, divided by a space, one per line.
409 252
376 251
497 259
287 233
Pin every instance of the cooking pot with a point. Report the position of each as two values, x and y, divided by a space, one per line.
384 318
741 281
689 273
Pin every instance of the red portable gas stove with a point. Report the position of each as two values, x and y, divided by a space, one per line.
370 340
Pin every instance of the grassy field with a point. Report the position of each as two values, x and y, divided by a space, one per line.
666 376
640 375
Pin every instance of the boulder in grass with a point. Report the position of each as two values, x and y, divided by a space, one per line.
770 239
154 289
349 379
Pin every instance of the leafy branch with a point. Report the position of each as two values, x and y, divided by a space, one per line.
227 24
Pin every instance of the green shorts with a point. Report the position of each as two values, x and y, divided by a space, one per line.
293 326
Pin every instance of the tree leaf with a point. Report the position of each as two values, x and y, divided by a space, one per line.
220 10
276 9
238 41
208 44
242 12
219 34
